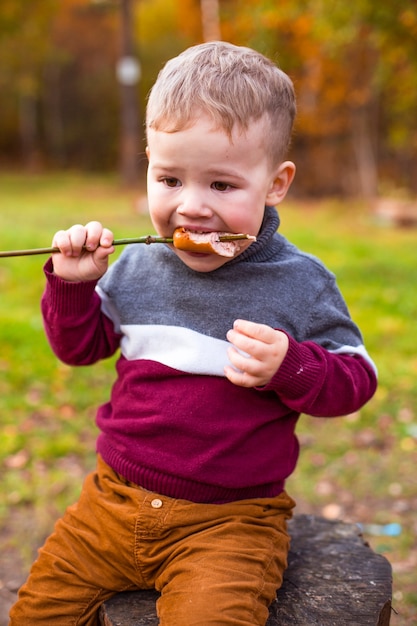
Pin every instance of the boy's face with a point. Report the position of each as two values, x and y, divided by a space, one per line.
202 180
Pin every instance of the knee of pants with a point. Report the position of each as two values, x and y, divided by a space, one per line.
233 589
217 606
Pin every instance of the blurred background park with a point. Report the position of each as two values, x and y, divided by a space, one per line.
74 76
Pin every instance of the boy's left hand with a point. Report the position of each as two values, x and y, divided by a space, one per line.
265 350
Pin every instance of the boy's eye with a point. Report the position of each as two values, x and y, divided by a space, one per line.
219 186
171 182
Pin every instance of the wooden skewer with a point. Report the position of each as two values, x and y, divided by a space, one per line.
147 239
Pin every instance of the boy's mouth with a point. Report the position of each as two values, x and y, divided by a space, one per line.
215 242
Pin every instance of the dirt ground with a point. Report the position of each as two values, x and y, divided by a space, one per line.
15 560
12 575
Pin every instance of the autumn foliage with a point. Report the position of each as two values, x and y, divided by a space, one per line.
354 66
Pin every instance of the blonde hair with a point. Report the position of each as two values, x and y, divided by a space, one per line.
234 85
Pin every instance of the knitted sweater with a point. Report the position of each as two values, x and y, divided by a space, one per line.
174 423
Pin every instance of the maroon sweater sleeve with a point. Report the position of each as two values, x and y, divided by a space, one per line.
320 383
78 332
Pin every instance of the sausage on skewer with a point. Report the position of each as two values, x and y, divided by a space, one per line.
221 243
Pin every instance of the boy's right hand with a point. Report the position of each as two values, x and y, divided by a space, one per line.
84 252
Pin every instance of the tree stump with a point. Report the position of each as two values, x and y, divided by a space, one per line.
333 579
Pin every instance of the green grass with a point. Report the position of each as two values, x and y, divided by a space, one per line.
360 468
47 408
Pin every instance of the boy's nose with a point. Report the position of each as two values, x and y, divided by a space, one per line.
193 205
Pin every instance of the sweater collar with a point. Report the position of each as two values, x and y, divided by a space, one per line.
262 249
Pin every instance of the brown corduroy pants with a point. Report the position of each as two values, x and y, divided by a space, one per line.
214 564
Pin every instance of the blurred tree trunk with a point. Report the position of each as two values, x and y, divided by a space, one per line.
364 111
210 20
129 157
28 128
364 151
53 118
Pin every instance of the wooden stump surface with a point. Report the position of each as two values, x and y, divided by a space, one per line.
333 579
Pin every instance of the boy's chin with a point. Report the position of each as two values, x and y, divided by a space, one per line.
202 262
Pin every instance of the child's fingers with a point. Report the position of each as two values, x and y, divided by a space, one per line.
107 238
254 339
71 241
247 373
97 236
78 238
262 332
99 240
243 362
256 353
242 379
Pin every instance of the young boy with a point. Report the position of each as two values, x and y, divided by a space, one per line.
219 356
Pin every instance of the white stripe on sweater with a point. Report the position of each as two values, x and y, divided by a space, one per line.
180 348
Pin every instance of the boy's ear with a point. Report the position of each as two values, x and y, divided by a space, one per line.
280 184
147 152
